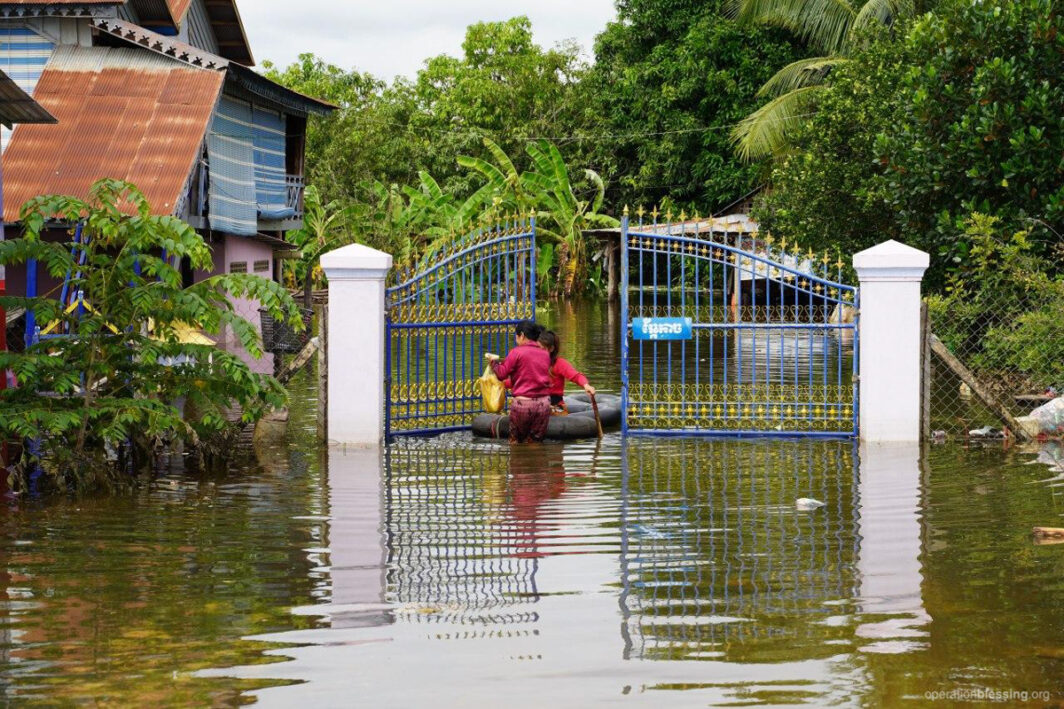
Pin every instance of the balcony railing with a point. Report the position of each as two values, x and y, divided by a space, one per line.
295 185
198 196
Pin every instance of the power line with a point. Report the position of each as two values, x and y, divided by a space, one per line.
575 137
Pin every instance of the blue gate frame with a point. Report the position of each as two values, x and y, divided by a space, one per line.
766 340
444 315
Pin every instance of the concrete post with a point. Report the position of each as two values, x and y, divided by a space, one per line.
355 358
890 350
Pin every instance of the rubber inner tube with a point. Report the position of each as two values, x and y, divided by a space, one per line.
580 423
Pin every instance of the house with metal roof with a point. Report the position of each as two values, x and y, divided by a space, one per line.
16 106
160 93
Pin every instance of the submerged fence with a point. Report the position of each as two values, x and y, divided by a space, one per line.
988 363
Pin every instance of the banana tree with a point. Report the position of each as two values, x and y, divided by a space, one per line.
324 229
547 191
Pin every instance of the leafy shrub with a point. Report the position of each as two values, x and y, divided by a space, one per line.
103 397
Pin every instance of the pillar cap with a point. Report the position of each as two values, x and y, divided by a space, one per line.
891 261
355 261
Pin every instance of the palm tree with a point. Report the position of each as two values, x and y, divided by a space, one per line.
831 28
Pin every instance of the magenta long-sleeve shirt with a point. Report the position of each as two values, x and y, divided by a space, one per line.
528 369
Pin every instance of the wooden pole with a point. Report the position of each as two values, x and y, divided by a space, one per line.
981 392
612 269
598 419
301 360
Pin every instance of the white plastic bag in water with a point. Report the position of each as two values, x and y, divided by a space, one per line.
1050 417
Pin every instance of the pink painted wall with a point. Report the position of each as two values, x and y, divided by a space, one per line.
238 249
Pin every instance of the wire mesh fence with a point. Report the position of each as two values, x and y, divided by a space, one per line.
989 362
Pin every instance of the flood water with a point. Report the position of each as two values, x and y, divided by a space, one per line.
457 573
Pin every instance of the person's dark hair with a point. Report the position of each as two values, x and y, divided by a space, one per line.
552 343
529 329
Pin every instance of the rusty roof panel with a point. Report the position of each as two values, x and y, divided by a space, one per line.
178 8
137 116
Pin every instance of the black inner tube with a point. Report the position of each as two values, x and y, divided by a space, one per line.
580 423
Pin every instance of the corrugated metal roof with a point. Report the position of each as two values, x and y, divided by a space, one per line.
16 106
123 113
178 8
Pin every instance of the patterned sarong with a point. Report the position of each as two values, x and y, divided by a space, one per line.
529 419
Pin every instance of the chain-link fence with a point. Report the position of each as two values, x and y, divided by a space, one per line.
990 360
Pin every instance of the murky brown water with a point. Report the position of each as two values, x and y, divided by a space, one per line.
458 573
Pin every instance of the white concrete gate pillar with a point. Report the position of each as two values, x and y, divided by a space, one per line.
355 355
890 275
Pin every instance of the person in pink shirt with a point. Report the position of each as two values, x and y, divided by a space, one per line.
561 371
527 366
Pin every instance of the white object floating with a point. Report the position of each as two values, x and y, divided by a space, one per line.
807 503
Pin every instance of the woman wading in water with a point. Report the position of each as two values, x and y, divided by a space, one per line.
527 366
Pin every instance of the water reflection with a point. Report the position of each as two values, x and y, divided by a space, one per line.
460 537
654 572
717 562
582 563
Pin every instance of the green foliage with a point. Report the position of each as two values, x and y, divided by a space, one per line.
835 30
325 227
670 80
504 88
547 191
1002 309
117 375
981 127
366 140
823 192
972 123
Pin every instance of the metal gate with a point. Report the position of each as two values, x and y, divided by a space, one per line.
443 316
731 334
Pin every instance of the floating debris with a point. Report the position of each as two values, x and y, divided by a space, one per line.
805 504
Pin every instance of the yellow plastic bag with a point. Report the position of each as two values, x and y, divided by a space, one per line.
492 391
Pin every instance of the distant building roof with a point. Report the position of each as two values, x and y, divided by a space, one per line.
16 106
123 113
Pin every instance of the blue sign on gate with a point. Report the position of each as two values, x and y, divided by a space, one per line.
661 328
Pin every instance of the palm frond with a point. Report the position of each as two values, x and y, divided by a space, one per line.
823 24
884 12
765 131
799 74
